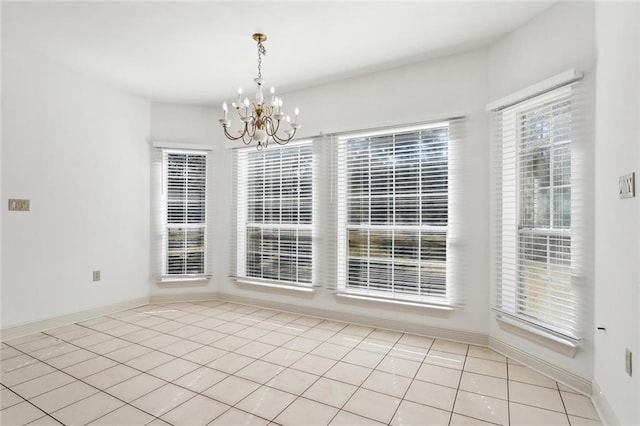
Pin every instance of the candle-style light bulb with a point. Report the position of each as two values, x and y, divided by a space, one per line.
239 95
296 112
273 94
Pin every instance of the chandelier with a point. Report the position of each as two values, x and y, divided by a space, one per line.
260 120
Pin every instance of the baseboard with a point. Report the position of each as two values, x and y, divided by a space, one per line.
402 326
602 406
558 374
13 332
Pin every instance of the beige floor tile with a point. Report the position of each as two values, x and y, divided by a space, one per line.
92 339
292 381
482 407
375 345
204 355
431 394
422 342
330 392
302 344
538 396
460 420
524 374
344 418
149 361
332 325
8 398
445 359
173 369
111 376
314 364
439 375
306 412
20 414
109 346
348 373
283 356
255 349
266 402
275 338
39 343
331 350
208 336
307 321
581 421
486 367
484 385
54 351
526 415
63 396
413 353
128 353
141 335
391 384
25 374
231 390
42 384
163 399
44 421
88 409
400 366
374 405
231 327
411 414
318 334
89 367
451 347
234 417
17 362
201 379
198 411
181 348
125 415
357 330
344 339
135 387
186 331
161 341
485 353
230 343
579 405
7 352
230 363
363 358
260 371
386 335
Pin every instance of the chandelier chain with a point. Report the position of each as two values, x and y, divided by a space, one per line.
261 51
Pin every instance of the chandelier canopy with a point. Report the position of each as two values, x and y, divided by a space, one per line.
261 120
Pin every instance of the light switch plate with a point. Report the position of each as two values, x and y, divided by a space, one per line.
627 186
18 205
627 362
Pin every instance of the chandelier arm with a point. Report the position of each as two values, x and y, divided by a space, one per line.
231 137
280 141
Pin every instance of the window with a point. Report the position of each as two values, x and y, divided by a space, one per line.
184 214
274 214
393 229
538 242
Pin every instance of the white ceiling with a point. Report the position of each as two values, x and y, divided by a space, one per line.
200 52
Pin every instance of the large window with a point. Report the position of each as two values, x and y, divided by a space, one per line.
184 213
538 257
274 214
393 229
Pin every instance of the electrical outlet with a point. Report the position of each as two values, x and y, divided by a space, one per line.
627 361
96 275
18 205
627 186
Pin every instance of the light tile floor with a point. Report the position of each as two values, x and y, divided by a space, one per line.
223 363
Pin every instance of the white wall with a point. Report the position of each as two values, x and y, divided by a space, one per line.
430 90
560 38
617 221
78 151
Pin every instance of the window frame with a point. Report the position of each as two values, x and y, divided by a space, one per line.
165 226
242 223
447 298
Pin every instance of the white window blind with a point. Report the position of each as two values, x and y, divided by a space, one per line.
539 234
394 193
274 214
184 214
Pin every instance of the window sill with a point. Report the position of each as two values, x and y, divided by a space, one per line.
441 308
182 279
555 343
276 286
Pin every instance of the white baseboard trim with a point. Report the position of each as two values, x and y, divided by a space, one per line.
402 326
13 332
558 374
602 406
